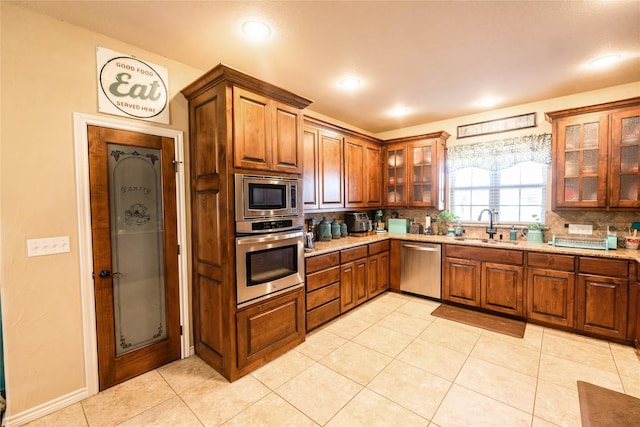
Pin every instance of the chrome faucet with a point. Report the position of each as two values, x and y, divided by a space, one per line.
490 230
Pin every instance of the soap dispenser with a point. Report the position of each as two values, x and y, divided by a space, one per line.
513 234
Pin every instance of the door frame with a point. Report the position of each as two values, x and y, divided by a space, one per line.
81 146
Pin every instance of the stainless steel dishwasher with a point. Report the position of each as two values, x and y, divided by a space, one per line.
420 271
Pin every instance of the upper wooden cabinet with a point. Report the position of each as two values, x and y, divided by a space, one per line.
340 170
323 173
363 178
267 133
596 156
414 171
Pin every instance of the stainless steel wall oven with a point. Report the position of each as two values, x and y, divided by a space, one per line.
269 238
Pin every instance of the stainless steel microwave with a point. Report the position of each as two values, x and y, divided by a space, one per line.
265 204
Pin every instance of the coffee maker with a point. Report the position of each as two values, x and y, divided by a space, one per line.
357 222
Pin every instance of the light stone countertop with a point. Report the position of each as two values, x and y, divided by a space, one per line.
522 245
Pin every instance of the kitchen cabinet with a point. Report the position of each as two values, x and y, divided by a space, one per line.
363 181
341 169
550 288
602 293
625 158
633 332
267 133
595 156
270 329
487 278
323 176
322 289
353 277
378 268
260 134
414 171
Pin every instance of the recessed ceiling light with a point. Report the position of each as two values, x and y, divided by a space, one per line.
350 82
256 30
605 61
488 101
399 111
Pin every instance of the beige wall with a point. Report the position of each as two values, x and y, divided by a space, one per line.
48 73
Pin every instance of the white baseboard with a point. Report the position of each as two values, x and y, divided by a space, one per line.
15 420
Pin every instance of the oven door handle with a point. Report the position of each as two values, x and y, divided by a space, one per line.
250 240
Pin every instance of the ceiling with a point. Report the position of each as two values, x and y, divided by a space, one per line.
434 57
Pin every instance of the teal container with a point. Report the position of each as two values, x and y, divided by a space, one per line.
343 229
335 229
324 230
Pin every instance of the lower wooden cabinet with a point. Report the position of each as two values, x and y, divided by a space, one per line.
353 277
267 330
339 281
323 289
491 279
602 296
634 311
461 281
550 288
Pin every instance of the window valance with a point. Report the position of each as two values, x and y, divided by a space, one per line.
501 153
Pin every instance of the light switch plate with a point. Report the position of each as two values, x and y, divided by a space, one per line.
580 229
48 246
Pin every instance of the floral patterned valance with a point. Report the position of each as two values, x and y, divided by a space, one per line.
501 153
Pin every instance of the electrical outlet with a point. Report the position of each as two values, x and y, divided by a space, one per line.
48 246
580 229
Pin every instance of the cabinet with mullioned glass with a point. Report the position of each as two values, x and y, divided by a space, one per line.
414 171
596 156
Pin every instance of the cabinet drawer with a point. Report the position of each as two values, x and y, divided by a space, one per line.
323 278
604 267
375 248
322 314
502 256
322 296
321 262
348 255
551 261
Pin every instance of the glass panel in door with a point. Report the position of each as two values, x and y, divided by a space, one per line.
137 246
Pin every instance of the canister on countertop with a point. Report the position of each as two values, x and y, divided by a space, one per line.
335 229
513 233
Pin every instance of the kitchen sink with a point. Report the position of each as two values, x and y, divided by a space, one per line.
490 241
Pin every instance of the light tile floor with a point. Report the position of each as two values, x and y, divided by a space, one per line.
389 362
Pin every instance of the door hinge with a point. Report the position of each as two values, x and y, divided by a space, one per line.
178 249
176 164
180 329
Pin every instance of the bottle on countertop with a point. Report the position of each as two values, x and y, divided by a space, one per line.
459 230
513 234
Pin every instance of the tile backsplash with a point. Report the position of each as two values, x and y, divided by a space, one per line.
554 221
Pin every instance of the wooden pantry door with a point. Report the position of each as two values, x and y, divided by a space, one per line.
135 252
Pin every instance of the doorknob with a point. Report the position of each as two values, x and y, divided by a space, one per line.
106 273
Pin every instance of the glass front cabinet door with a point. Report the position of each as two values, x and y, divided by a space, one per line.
581 161
625 158
596 156
414 173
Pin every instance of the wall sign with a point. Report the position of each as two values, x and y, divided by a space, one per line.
130 87
499 125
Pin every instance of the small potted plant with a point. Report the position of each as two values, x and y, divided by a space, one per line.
534 231
445 220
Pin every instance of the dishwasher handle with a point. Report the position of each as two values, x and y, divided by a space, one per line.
421 248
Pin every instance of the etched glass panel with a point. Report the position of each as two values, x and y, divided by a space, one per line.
631 130
590 161
591 134
629 187
590 188
629 159
572 163
572 137
571 187
137 246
